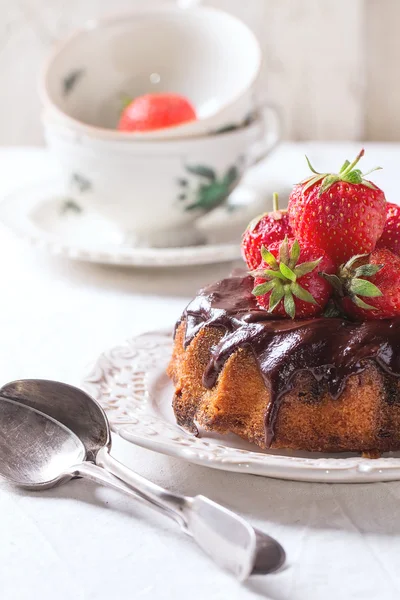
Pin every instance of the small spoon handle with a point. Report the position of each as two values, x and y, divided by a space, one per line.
148 490
227 538
93 472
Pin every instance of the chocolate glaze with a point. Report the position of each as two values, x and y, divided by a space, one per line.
330 349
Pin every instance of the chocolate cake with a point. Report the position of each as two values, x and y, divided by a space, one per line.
322 384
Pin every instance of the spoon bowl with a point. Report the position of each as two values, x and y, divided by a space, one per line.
24 459
75 409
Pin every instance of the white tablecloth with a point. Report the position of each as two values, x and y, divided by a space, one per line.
81 541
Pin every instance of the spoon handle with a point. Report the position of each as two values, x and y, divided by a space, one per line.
93 472
148 490
227 538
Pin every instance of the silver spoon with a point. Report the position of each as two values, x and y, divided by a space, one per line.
80 436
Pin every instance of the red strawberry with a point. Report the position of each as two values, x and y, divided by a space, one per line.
287 287
343 214
368 286
264 230
156 111
390 237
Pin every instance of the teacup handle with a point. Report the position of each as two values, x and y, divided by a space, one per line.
270 134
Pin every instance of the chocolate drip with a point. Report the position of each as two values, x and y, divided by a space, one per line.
330 349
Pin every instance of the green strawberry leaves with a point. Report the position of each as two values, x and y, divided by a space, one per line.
355 176
347 173
269 258
306 267
349 281
309 182
287 272
367 270
362 287
294 254
273 274
302 294
284 251
361 304
263 288
276 296
311 167
351 276
327 182
282 277
288 302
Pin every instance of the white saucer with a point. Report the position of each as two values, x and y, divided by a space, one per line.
130 382
44 217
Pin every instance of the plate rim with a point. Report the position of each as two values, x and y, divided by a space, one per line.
105 254
153 433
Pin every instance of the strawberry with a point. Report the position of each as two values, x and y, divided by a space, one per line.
287 287
368 286
343 214
390 237
156 111
264 230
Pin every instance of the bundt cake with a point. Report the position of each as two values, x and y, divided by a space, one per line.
303 351
322 384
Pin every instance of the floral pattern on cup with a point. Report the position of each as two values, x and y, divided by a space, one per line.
70 206
209 189
69 81
80 183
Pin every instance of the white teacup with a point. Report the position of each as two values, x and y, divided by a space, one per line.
155 191
203 53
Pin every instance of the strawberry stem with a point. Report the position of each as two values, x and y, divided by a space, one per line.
275 202
351 166
344 166
347 173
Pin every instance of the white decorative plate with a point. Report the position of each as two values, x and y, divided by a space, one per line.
43 216
130 382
